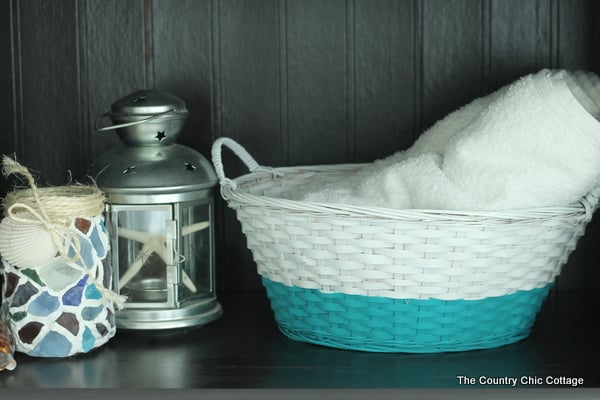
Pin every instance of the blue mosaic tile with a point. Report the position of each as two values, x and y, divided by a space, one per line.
52 345
45 304
110 317
90 313
88 340
99 246
103 227
23 294
72 297
85 250
102 329
106 273
92 292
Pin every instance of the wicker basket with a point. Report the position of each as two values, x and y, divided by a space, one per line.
386 280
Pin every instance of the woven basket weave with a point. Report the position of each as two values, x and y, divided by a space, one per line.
386 280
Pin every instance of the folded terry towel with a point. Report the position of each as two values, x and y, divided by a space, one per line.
589 83
533 143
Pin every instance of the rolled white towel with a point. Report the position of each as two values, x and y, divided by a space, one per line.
363 187
533 143
590 84
536 145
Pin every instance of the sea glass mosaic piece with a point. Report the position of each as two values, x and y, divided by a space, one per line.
18 316
110 317
99 245
102 329
90 313
70 322
106 273
85 251
92 292
23 294
88 339
58 275
72 297
10 283
31 274
30 331
43 305
52 345
83 225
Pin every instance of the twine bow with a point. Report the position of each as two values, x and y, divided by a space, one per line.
65 239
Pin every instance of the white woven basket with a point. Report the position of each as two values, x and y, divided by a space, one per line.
347 276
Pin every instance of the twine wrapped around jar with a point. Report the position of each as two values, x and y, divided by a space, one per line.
57 296
54 209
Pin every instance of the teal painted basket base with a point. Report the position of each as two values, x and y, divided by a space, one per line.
380 324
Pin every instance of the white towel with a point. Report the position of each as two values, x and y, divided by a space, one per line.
533 143
535 146
589 84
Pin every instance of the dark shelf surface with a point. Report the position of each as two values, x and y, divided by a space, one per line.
244 349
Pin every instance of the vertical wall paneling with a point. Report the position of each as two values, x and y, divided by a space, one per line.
486 39
417 75
114 58
82 85
595 15
50 133
514 47
545 56
575 21
250 79
283 80
7 117
249 88
317 87
452 56
384 64
181 58
350 74
149 42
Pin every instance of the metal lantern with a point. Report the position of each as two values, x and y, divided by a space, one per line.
159 215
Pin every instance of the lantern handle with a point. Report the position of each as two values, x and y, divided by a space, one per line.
123 125
238 150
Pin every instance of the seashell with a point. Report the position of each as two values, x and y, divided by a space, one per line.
7 348
25 245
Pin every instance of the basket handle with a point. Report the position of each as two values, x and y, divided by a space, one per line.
238 150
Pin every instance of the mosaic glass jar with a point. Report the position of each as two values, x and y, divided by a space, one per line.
56 296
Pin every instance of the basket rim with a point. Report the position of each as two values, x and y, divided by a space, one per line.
581 210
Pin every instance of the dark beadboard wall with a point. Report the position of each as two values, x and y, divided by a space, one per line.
295 81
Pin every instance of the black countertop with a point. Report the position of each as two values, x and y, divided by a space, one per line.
244 349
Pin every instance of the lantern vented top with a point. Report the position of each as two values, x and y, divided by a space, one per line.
147 117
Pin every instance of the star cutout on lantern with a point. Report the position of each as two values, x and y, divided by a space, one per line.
190 166
129 170
160 135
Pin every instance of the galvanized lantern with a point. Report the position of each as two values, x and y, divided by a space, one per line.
159 215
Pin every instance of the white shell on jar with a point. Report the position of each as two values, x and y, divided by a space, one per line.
25 245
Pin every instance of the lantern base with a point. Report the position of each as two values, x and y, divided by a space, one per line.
191 314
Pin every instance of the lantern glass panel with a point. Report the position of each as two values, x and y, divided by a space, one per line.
144 251
196 242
